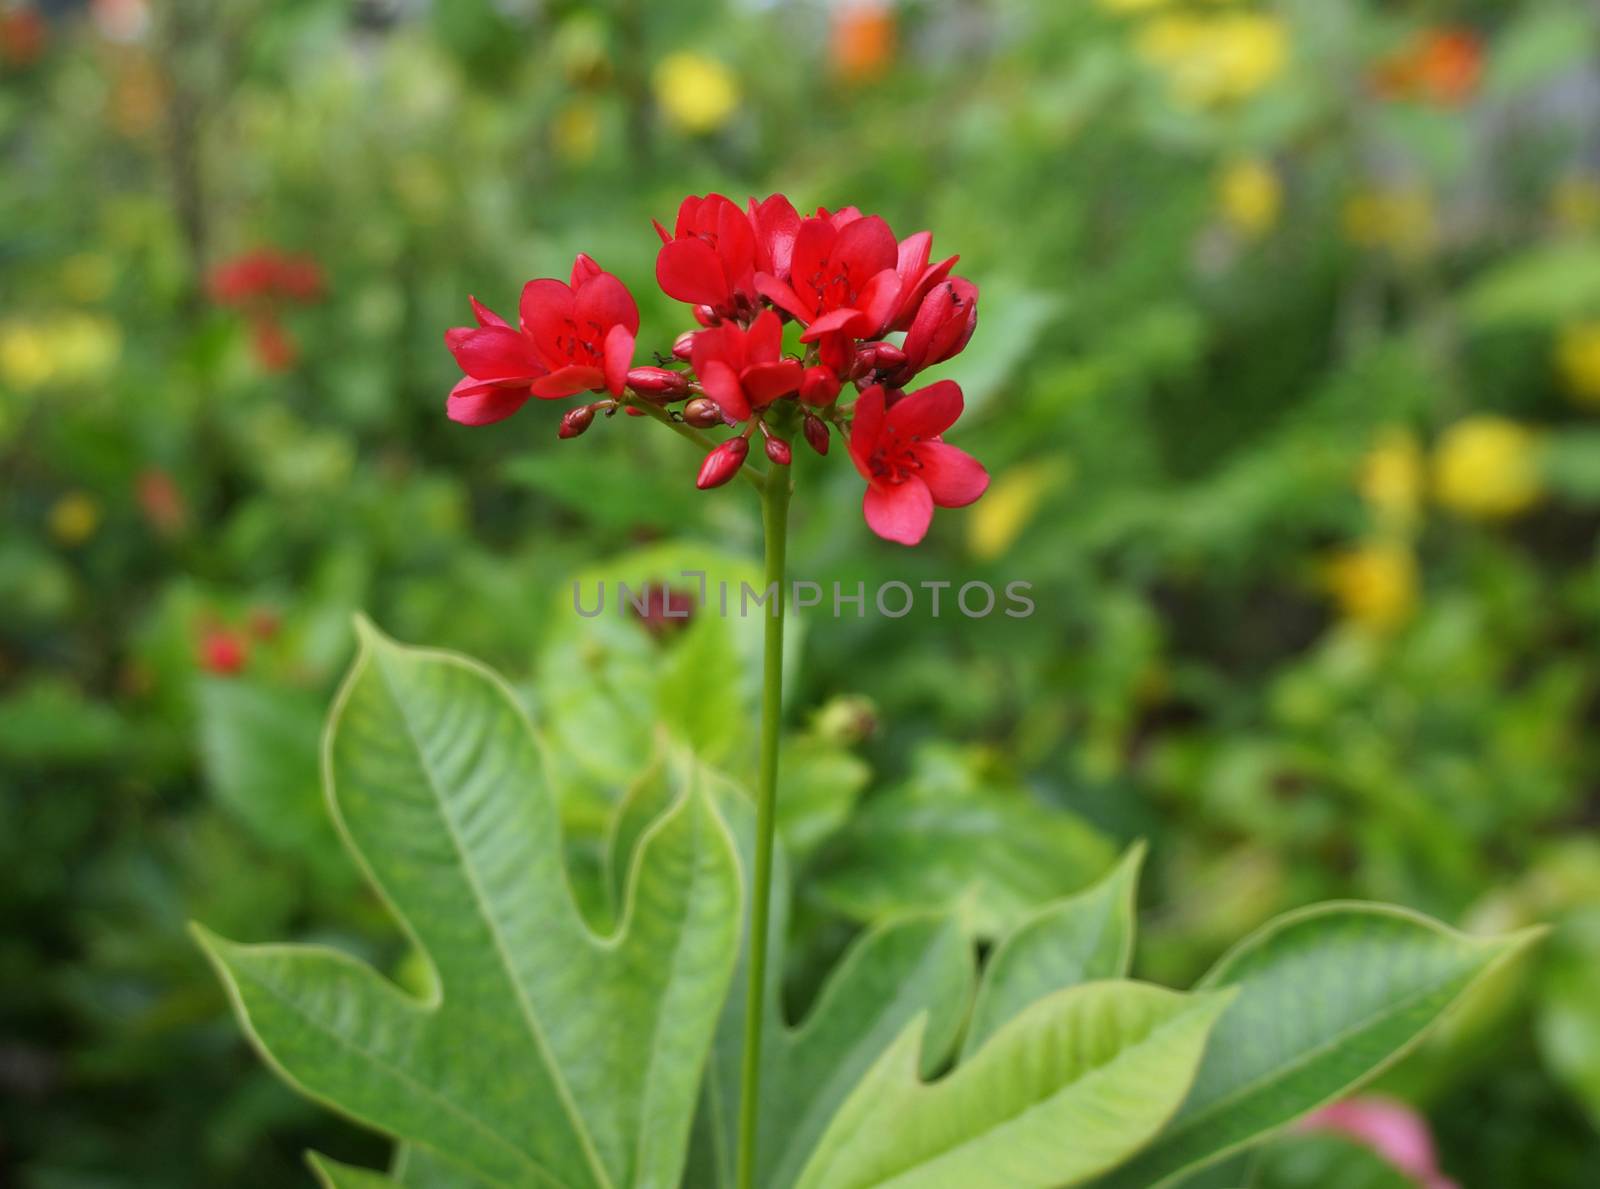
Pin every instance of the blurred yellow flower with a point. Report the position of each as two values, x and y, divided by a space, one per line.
697 93
575 132
1216 59
1486 468
1250 195
1401 221
73 518
70 348
996 521
1578 359
1575 202
1374 584
24 356
1393 479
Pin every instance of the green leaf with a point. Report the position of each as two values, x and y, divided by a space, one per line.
1085 938
917 966
821 785
1068 1089
1542 287
995 857
546 1055
1328 997
258 750
331 1174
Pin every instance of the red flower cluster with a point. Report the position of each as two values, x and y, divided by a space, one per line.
871 310
261 283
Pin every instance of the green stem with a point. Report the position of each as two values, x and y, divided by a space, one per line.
775 522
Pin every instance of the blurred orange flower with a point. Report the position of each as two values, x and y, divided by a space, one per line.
1442 65
863 40
23 35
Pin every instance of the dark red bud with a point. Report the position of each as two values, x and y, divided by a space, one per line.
706 316
819 385
722 464
683 345
658 381
887 355
816 434
778 450
576 421
702 413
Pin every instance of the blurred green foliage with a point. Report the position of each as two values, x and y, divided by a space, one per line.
1287 370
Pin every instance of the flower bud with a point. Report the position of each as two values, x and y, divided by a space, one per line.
887 355
819 385
723 463
576 421
702 412
706 316
658 381
683 345
778 450
816 434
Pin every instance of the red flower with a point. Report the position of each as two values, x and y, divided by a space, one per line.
843 276
265 276
223 652
709 259
743 370
574 338
275 348
909 469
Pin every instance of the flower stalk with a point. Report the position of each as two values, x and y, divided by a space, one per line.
779 486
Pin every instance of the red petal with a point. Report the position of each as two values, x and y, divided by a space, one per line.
689 270
584 269
764 383
780 294
619 357
776 223
605 302
569 381
473 403
736 245
484 315
901 512
545 311
456 335
688 212
722 386
953 476
927 412
851 321
913 254
879 301
812 246
866 247
722 344
494 353
866 428
764 341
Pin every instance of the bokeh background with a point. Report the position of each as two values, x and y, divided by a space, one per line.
1287 372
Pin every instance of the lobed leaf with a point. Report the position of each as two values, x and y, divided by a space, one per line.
1068 1089
547 1055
